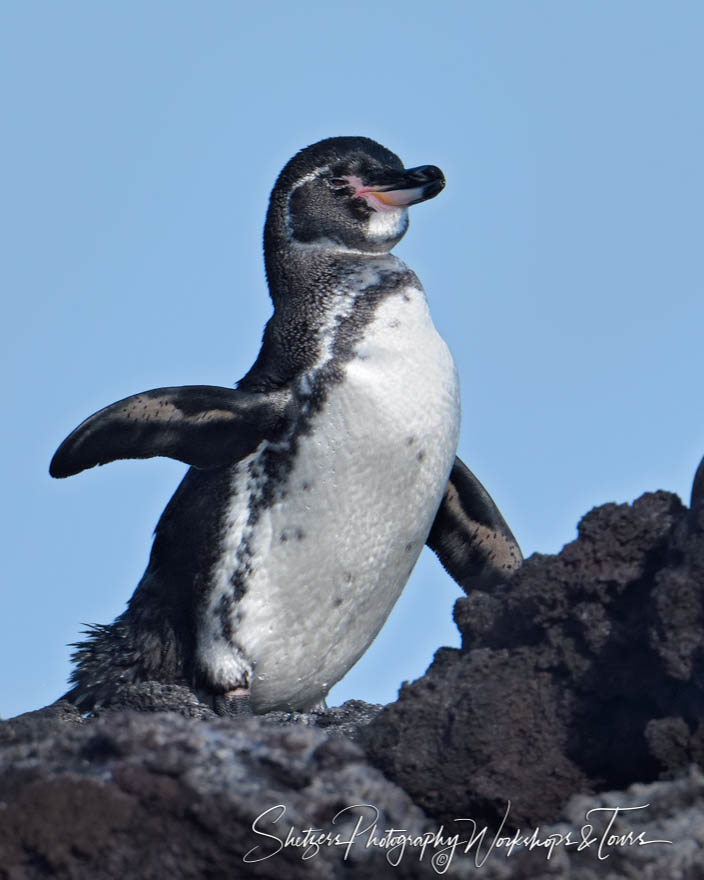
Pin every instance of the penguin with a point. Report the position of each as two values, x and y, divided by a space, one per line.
316 481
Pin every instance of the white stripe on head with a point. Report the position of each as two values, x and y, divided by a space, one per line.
316 172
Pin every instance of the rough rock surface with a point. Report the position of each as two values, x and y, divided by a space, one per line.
144 795
584 673
647 832
579 684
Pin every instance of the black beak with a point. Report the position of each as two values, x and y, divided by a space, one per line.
403 188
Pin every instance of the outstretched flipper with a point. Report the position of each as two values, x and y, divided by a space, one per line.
469 534
203 425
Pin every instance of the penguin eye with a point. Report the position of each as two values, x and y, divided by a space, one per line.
337 182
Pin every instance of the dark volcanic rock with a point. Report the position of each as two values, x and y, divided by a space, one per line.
579 685
32 726
139 796
649 832
584 672
350 719
152 696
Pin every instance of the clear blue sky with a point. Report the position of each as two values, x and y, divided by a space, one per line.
563 262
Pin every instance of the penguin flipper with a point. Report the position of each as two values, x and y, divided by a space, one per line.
469 535
203 425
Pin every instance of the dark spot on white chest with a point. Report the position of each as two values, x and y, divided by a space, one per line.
294 533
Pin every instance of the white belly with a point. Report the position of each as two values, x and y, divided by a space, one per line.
329 558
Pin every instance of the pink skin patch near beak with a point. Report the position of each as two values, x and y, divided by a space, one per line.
381 201
394 198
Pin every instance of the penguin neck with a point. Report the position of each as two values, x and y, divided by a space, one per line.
299 274
313 288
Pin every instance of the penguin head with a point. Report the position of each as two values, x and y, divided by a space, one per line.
346 193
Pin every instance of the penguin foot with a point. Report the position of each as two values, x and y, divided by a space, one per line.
233 703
